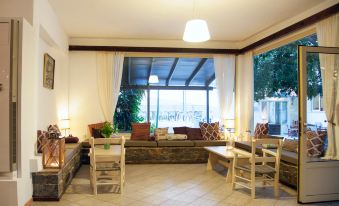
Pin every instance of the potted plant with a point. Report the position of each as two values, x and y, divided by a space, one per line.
107 130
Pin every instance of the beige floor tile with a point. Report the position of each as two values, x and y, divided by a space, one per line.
93 202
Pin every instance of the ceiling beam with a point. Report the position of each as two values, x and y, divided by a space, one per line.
210 80
149 72
195 71
170 75
125 87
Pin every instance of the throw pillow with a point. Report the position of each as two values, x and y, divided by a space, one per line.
96 133
140 131
41 135
71 139
160 133
194 134
176 137
261 129
290 145
180 130
314 144
210 131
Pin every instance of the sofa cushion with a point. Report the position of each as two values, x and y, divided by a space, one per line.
205 143
194 134
161 133
290 145
140 131
261 129
176 137
180 130
96 133
315 143
140 143
210 131
175 143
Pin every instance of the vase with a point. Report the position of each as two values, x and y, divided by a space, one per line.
107 146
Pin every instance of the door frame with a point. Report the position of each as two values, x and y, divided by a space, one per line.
302 106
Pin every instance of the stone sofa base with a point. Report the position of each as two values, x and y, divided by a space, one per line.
50 184
163 155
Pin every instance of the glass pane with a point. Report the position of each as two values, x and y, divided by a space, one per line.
321 81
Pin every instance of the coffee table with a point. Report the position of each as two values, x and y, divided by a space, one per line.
224 156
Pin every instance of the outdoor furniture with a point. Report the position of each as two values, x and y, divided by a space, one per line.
105 162
246 174
223 156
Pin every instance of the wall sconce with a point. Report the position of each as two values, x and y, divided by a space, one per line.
53 156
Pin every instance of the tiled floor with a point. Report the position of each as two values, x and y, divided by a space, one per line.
172 185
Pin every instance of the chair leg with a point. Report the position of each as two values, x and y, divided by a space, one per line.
252 184
276 186
95 188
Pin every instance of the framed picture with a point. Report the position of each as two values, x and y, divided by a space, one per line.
49 66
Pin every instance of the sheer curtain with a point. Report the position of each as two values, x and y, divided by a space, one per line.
244 93
328 35
109 73
224 66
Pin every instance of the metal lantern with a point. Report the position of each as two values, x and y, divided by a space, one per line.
53 153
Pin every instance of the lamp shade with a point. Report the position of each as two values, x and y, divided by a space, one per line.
153 79
196 30
64 124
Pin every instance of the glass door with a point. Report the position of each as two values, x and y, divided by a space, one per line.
319 128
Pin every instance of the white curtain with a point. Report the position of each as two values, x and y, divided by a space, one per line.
224 66
244 93
109 73
328 35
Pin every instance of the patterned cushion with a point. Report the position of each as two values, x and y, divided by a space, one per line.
53 131
194 134
140 131
41 135
180 130
314 144
261 129
210 131
290 145
160 133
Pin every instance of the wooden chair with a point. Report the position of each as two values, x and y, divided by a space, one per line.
256 167
104 163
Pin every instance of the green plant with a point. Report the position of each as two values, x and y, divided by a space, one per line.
128 108
107 130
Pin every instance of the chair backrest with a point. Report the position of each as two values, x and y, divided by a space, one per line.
264 143
101 141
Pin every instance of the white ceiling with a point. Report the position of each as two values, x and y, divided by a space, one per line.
228 20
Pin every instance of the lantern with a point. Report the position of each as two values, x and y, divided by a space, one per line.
53 153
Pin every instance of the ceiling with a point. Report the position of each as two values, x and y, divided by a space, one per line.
228 20
182 72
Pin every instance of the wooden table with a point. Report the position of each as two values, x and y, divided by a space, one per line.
223 156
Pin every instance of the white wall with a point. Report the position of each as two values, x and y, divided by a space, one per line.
83 98
39 107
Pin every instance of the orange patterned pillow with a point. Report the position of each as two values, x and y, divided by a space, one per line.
140 131
315 144
261 129
210 131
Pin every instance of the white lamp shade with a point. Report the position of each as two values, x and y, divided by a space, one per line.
153 79
64 124
196 30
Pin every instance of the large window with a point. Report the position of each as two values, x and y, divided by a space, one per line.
276 88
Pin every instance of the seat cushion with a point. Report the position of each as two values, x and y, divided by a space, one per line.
205 143
141 131
289 157
175 143
140 143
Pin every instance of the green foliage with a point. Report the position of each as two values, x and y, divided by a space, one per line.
107 129
276 75
128 108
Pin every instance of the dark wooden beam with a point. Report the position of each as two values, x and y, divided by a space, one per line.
166 87
294 27
210 80
170 75
195 71
153 49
